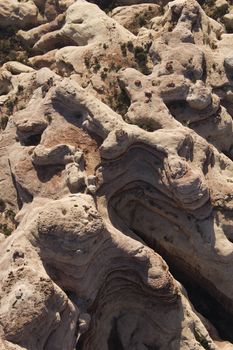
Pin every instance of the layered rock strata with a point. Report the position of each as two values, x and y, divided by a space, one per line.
116 153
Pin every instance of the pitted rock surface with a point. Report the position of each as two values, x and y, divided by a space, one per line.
116 176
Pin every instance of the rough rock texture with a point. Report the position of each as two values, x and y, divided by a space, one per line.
14 12
139 15
26 13
116 156
108 4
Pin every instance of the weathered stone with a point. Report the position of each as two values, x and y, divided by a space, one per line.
115 148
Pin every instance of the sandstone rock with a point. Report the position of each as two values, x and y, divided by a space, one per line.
228 61
114 3
199 96
51 9
67 251
135 16
61 154
228 21
17 13
31 36
188 186
75 178
222 5
5 82
17 68
116 155
82 19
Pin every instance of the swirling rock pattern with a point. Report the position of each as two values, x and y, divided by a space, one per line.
116 155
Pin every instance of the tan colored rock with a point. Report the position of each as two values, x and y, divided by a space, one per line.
17 13
221 5
99 194
135 16
228 21
82 19
17 67
60 154
33 35
115 3
199 97
5 82
67 251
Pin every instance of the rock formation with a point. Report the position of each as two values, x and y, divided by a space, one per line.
116 206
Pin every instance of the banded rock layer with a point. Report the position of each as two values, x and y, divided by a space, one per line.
116 153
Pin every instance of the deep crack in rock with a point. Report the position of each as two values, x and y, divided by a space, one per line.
116 175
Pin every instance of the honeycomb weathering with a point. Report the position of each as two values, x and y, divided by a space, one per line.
116 205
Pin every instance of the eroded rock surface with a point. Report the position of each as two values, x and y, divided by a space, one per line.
116 179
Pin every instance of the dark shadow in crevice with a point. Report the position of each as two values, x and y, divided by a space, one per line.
71 112
206 305
19 201
46 172
114 341
24 195
55 43
203 294
107 5
32 140
202 300
177 108
99 140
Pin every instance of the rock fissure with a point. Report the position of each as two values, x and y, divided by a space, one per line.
116 175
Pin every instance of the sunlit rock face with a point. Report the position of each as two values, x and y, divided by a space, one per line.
116 177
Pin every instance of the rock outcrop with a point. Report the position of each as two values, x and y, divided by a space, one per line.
116 180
